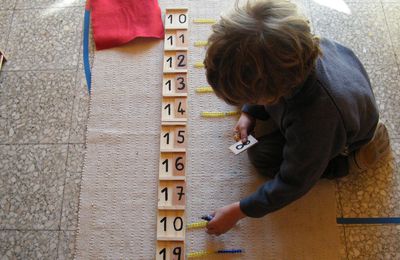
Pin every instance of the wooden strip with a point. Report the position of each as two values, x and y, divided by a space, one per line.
200 43
204 20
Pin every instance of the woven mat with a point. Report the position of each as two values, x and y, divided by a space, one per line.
117 218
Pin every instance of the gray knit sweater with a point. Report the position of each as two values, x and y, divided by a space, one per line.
333 109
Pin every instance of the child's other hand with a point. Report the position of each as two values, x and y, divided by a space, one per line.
224 219
243 127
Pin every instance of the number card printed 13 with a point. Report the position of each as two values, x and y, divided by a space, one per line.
239 147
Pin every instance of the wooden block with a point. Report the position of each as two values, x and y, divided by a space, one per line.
175 85
171 194
175 61
176 40
171 225
176 18
174 109
172 165
173 138
168 250
239 147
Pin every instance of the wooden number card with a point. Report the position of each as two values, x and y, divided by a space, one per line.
174 109
175 61
170 250
172 195
172 166
173 138
171 225
176 18
171 222
176 40
175 85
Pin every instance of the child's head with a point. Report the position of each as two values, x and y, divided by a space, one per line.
259 52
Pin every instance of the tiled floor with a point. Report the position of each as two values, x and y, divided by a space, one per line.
43 116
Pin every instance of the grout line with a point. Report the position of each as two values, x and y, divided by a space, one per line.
42 70
340 198
41 8
76 96
9 33
37 144
390 38
39 230
68 152
345 242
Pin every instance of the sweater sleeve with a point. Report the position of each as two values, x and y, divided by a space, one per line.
256 111
306 155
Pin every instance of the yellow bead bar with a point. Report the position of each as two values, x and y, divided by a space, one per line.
200 224
199 65
200 43
204 89
219 114
204 20
199 254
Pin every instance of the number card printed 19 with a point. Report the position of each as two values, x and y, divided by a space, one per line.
171 218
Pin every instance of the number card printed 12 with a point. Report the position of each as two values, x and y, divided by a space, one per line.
239 147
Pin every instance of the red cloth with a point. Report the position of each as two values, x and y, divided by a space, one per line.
116 22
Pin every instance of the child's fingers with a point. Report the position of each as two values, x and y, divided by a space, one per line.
243 135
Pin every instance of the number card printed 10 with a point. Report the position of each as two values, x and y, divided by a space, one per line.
171 218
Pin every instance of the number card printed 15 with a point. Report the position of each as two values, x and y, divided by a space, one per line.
239 147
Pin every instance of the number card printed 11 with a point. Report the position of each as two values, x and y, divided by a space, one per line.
239 147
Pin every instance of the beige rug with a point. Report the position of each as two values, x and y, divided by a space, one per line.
117 218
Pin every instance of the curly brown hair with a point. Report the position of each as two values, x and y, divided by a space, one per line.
260 52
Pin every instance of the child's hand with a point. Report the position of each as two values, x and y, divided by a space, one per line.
245 125
224 219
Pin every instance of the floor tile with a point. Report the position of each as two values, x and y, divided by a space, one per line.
373 242
392 14
69 219
7 4
76 154
365 31
372 193
80 110
66 246
43 39
31 186
35 106
395 143
23 4
5 24
28 244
